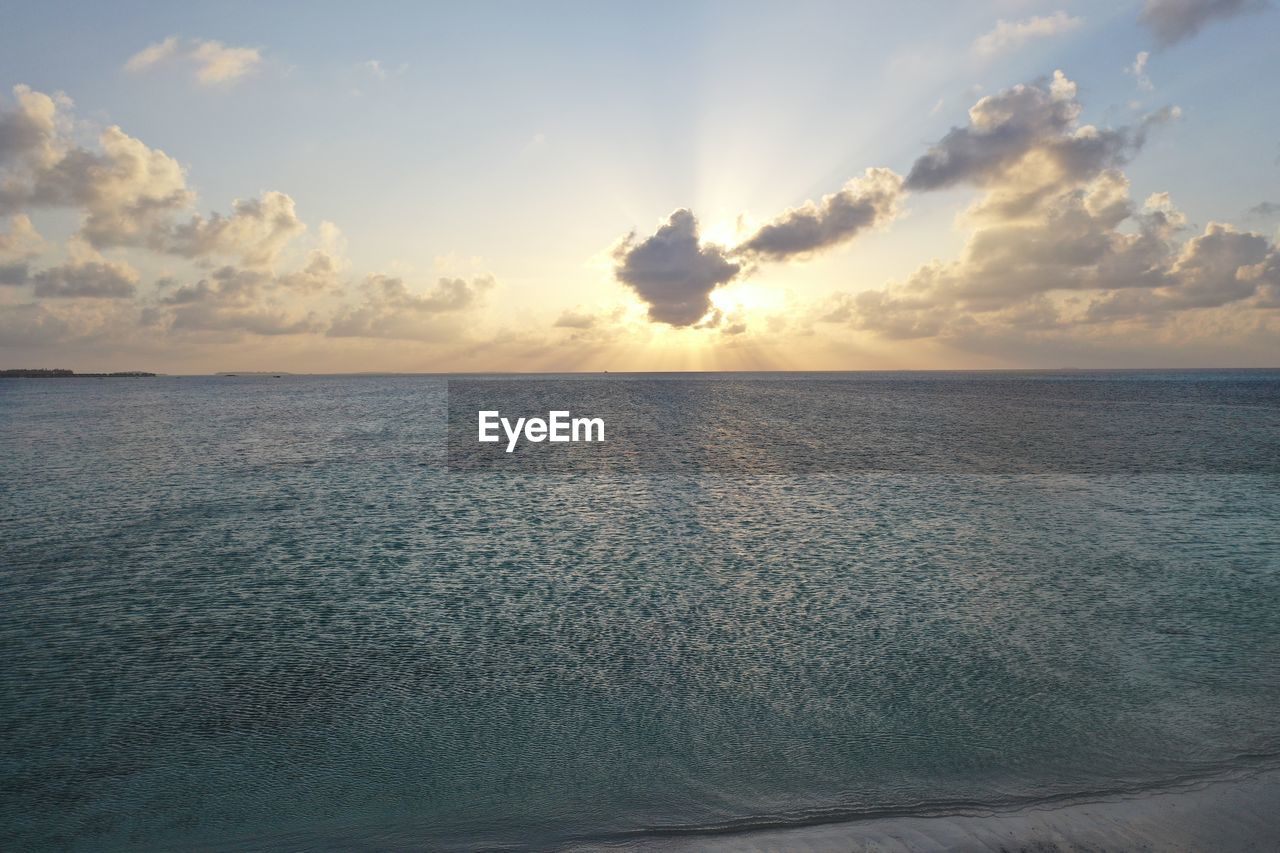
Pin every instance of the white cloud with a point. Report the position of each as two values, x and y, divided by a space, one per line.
1010 35
21 239
256 232
213 62
1139 71
217 63
380 70
130 195
1059 252
153 54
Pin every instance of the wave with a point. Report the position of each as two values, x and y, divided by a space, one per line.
1263 766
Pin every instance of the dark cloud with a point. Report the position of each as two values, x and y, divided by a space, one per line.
1172 21
673 271
862 203
1029 120
1264 210
13 274
87 279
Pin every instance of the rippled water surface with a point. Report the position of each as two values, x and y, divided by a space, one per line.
261 611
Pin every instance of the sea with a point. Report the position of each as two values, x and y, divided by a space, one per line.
295 613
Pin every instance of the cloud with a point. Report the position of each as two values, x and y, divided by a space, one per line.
255 299
31 324
86 280
202 317
379 70
14 274
153 54
1025 145
325 264
1221 266
1172 21
133 196
1139 71
1264 210
1085 255
129 193
1028 136
225 286
231 299
217 63
673 271
1059 251
575 320
213 62
124 189
30 129
1010 35
257 231
391 310
863 203
21 239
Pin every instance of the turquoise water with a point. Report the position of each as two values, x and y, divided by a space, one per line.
245 613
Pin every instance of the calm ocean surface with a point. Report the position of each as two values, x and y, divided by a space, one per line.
255 612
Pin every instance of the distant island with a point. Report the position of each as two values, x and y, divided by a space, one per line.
60 373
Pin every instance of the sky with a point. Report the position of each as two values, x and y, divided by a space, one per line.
432 187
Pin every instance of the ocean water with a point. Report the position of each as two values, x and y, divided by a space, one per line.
258 613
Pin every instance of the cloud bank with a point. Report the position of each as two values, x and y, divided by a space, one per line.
134 198
1059 248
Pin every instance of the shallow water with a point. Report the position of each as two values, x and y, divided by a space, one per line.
262 611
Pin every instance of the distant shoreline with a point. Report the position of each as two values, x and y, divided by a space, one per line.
58 373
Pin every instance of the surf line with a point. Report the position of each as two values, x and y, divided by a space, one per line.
558 426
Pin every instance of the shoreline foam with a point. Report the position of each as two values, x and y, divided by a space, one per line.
1237 812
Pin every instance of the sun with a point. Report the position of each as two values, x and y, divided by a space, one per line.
746 297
